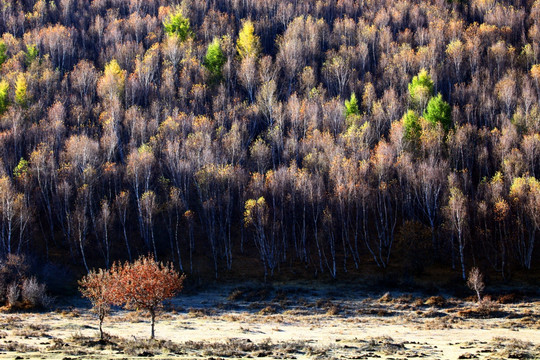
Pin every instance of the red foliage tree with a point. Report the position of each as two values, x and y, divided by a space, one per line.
145 284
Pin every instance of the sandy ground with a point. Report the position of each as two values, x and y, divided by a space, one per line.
287 323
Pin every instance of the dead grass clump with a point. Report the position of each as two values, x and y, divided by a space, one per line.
404 299
33 330
516 348
386 298
511 298
250 294
374 311
484 309
149 348
231 348
69 313
333 310
468 356
436 301
14 346
268 310
383 344
433 314
195 313
323 303
296 312
236 295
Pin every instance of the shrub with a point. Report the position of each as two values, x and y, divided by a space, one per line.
12 294
34 293
98 287
487 306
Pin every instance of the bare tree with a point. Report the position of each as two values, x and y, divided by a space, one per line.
475 282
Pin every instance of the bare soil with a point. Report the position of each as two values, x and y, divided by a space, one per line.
285 322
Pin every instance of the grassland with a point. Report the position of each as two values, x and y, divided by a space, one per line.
286 322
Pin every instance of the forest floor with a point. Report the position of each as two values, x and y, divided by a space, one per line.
285 322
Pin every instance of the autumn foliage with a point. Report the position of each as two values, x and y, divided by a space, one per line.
133 127
98 287
142 285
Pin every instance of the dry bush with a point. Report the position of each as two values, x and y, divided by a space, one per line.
487 306
34 293
12 294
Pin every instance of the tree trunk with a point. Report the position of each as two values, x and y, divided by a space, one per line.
101 317
153 316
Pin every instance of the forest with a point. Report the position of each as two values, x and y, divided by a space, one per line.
259 137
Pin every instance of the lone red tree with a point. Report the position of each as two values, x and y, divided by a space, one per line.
145 284
98 287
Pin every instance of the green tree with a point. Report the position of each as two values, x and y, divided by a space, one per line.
412 126
31 54
351 106
178 25
4 88
21 169
421 89
21 95
248 44
214 59
438 112
3 55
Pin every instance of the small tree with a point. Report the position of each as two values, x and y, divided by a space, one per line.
21 96
475 282
439 111
351 106
98 287
248 44
214 59
145 284
412 126
4 99
178 25
3 55
421 89
32 54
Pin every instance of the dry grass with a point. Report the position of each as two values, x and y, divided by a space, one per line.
436 301
286 325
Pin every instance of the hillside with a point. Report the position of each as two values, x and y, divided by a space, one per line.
264 139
